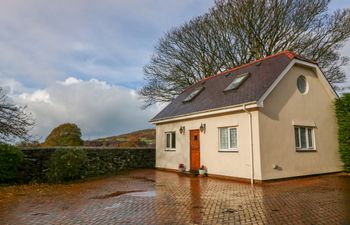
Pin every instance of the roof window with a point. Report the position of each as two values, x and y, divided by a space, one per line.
239 79
193 94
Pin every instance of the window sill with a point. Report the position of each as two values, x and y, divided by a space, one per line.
228 151
306 150
170 150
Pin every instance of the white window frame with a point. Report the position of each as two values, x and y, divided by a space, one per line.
308 148
170 148
229 138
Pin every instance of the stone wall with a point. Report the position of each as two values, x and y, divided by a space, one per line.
101 161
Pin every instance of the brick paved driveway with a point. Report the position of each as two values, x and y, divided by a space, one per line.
156 197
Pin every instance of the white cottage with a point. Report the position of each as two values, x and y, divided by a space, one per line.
269 119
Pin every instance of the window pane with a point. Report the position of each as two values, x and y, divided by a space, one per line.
301 84
173 140
233 138
309 134
302 137
236 82
296 133
168 140
223 138
193 94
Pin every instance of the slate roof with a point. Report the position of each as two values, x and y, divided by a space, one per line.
262 73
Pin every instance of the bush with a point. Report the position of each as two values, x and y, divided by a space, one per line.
10 160
342 106
67 165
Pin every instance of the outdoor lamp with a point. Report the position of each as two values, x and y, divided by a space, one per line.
202 127
182 129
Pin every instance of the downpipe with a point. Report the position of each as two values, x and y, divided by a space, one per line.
251 145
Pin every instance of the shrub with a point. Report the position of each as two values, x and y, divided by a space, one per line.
10 159
342 106
66 165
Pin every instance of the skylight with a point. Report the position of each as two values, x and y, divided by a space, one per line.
237 81
193 94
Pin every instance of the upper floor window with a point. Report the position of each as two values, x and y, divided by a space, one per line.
228 138
302 84
193 94
304 138
239 79
170 141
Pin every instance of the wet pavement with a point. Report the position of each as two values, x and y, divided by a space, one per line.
157 197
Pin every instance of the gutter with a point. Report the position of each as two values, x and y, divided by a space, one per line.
204 113
251 145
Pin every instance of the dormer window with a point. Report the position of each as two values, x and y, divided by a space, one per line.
193 94
239 79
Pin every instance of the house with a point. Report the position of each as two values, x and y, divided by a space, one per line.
269 119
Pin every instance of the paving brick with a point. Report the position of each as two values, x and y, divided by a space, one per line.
166 198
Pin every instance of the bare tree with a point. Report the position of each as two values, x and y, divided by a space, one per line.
235 32
15 122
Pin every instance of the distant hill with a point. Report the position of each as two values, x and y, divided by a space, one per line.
141 138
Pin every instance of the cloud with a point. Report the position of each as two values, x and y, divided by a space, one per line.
109 39
70 81
105 44
98 108
37 96
11 85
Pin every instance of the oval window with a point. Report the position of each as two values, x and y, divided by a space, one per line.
302 84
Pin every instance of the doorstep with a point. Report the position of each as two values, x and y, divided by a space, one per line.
191 173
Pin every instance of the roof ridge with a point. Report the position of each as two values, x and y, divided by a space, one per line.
288 53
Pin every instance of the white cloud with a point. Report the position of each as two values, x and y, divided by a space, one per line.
36 96
70 81
10 85
98 108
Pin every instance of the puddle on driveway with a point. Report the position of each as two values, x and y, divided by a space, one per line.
114 194
144 178
40 214
143 194
114 206
136 193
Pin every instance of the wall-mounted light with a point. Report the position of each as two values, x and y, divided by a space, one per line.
202 127
182 130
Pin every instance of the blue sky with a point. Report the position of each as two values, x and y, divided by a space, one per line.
81 61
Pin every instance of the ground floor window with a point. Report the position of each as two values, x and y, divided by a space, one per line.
304 138
228 138
170 141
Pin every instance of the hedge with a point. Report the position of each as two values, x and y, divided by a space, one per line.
66 165
342 106
10 160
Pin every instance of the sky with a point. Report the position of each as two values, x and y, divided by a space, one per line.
82 61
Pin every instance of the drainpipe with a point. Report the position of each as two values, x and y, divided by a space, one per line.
251 145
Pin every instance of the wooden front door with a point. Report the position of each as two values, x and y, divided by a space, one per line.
195 150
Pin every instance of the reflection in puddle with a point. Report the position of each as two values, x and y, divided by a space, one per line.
114 206
137 193
144 179
143 194
40 214
196 216
114 194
